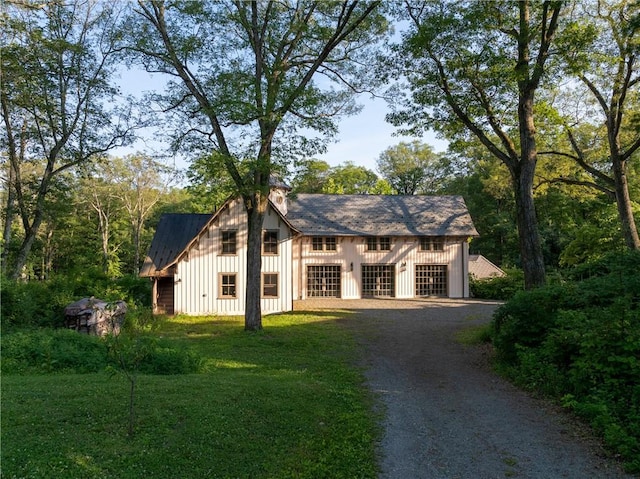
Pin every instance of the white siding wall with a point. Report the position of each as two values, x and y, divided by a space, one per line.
280 263
405 253
197 277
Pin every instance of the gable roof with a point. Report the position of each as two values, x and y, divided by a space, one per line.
480 267
380 215
173 234
325 215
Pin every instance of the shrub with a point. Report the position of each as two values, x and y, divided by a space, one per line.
46 350
499 287
42 303
52 350
579 341
525 320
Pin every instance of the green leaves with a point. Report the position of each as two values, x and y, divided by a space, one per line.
412 168
249 69
579 341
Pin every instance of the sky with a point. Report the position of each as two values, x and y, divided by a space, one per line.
364 136
361 138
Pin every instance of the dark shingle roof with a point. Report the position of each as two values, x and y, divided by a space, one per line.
380 215
329 215
173 234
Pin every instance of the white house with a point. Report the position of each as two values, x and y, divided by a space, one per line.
314 246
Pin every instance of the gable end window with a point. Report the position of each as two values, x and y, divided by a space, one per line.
228 239
322 243
227 285
269 285
431 243
270 242
378 243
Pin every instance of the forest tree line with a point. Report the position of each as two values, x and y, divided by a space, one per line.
538 101
105 218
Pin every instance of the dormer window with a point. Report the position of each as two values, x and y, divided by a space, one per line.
323 243
378 243
431 243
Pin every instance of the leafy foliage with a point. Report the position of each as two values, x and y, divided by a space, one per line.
499 287
57 100
579 341
42 303
412 168
50 350
350 179
45 351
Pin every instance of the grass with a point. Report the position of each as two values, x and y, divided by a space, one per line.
473 335
286 402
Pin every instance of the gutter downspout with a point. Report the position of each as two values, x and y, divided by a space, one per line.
465 269
300 267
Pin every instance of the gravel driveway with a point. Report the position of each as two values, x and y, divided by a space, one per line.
447 414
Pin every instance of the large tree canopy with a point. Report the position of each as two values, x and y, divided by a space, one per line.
57 100
600 49
472 68
412 168
248 77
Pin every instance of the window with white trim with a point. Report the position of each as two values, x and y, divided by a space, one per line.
228 285
269 285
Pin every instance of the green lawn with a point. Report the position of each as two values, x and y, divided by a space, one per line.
285 402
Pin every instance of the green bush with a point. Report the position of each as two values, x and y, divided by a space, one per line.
499 287
42 303
579 341
52 350
43 351
525 320
150 355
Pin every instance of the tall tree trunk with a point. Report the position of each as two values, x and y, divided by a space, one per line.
137 228
525 166
27 244
256 206
528 236
14 157
623 201
10 213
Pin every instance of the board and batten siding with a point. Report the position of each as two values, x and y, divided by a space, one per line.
351 253
197 277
